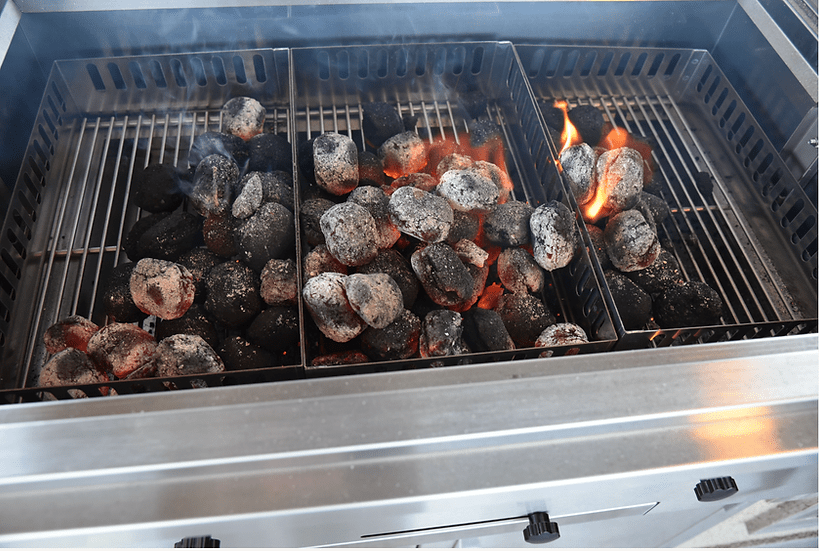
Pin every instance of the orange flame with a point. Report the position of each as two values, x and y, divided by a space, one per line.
570 135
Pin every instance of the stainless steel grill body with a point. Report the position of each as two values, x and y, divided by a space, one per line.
610 445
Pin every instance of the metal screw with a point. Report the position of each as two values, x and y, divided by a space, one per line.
814 142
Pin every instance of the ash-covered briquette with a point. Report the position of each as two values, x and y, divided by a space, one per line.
620 174
599 244
233 294
250 198
275 329
468 191
377 203
71 367
350 233
631 241
524 316
500 178
71 332
420 214
465 225
579 167
213 183
131 242
376 298
657 207
507 225
561 334
199 262
443 275
309 219
193 322
348 357
170 237
155 188
403 154
179 355
335 163
442 334
392 263
554 238
326 300
660 275
484 131
479 276
454 161
320 260
279 284
380 122
269 152
116 297
470 253
218 232
269 233
420 180
161 288
124 349
370 169
397 341
237 354
633 303
692 304
518 271
588 120
219 143
484 331
243 117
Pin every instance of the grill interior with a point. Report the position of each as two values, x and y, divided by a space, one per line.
100 117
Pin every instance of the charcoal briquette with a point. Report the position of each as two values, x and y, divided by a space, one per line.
442 334
518 271
275 329
579 168
377 204
162 288
199 262
279 284
376 298
71 332
484 331
116 298
213 183
660 275
380 122
397 341
420 214
70 367
524 316
327 303
233 293
561 334
269 152
319 260
194 322
243 117
507 225
219 143
468 191
239 354
179 355
692 304
633 303
156 188
442 274
588 120
309 219
403 154
350 233
269 233
620 175
631 241
123 349
392 263
554 237
219 234
335 163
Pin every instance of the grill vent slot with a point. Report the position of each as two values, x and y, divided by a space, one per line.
239 67
116 76
96 77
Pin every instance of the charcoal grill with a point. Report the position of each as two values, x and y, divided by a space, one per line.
610 443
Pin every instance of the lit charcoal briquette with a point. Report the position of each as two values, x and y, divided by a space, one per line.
219 143
561 334
233 294
124 349
465 225
507 225
218 233
620 175
71 332
377 203
579 167
454 161
370 169
420 214
599 244
442 274
633 303
524 316
655 206
161 288
275 329
484 331
479 276
589 121
442 334
392 263
193 322
397 341
348 357
279 284
199 262
237 354
500 178
213 184
554 238
170 237
269 233
660 275
243 117
156 188
327 303
250 198
518 271
350 233
631 241
376 298
116 298
277 187
71 367
470 253
179 355
319 260
484 131
403 154
269 152
468 191
420 180
380 122
692 304
309 219
335 163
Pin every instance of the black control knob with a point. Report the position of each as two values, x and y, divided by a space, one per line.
540 529
715 489
199 541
